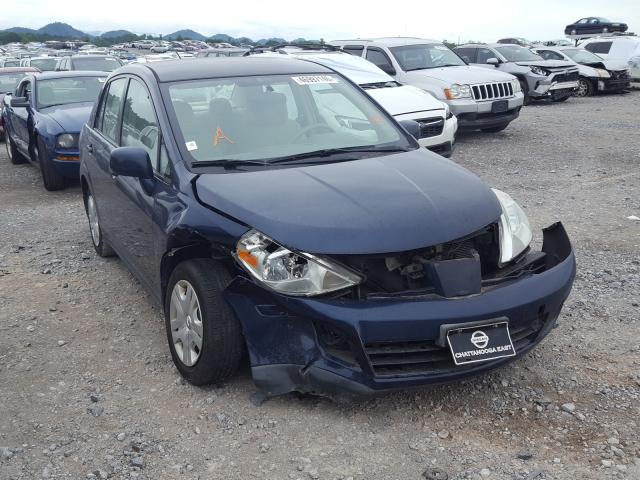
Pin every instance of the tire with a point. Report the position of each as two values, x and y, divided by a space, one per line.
525 91
495 129
14 155
100 245
221 342
585 88
50 176
574 32
605 30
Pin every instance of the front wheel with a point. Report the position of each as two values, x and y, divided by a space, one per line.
585 88
204 335
50 176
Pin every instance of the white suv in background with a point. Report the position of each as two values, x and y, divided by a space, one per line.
624 48
481 99
438 125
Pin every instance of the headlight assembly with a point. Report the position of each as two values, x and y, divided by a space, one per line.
515 231
457 91
288 272
602 73
538 70
67 141
515 83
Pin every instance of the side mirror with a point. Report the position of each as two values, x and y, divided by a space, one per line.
493 61
20 102
131 162
388 69
412 127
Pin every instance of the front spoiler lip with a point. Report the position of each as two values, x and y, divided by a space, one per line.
400 320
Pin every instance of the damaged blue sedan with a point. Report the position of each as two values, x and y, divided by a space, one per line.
272 207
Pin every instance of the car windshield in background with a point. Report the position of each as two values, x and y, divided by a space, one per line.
9 82
96 64
12 63
62 91
421 57
579 55
271 118
44 64
515 53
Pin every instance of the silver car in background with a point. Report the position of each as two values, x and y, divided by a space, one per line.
480 99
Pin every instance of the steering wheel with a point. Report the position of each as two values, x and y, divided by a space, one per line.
311 128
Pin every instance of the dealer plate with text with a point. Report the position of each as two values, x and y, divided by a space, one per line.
480 343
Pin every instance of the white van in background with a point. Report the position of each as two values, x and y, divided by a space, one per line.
621 48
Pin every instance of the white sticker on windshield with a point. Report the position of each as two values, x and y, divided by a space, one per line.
191 145
315 79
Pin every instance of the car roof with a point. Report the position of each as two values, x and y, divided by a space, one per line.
90 56
18 70
391 41
199 68
69 74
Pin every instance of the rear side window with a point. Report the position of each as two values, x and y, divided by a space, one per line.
379 59
354 49
139 125
484 54
107 121
599 47
467 54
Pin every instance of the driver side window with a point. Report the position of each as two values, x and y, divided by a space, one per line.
139 125
485 54
24 90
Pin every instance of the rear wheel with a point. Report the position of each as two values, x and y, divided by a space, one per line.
605 30
101 246
204 335
585 88
15 156
50 176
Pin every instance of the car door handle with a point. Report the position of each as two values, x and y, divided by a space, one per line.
90 148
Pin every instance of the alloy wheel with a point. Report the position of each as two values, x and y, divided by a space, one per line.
185 317
583 88
94 224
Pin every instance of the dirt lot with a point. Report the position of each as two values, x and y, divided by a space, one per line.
88 389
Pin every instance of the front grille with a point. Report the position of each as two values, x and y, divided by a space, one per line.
566 77
492 91
399 359
431 127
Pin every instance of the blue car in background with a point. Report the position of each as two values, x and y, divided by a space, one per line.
43 120
271 206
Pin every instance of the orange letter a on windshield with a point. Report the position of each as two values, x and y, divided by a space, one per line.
220 136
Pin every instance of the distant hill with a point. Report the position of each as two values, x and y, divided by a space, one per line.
185 35
271 41
222 38
117 34
20 30
58 29
94 33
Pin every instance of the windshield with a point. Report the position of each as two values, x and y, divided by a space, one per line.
9 81
61 91
266 118
516 53
11 63
44 64
96 64
579 55
420 57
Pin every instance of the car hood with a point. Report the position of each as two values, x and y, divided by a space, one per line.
385 204
70 117
547 63
465 74
405 99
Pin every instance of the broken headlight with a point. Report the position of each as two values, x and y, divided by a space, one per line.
515 231
288 272
538 70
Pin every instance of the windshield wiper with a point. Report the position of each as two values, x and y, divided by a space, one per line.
435 66
227 164
322 155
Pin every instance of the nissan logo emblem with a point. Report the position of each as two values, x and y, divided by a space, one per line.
479 339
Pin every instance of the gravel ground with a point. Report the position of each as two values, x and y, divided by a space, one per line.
88 389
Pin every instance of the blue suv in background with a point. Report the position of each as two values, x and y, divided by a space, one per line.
271 206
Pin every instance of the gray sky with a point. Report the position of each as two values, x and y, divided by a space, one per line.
482 20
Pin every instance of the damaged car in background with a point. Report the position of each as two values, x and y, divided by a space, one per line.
341 255
596 74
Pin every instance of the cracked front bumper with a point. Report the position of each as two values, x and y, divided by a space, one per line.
291 344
